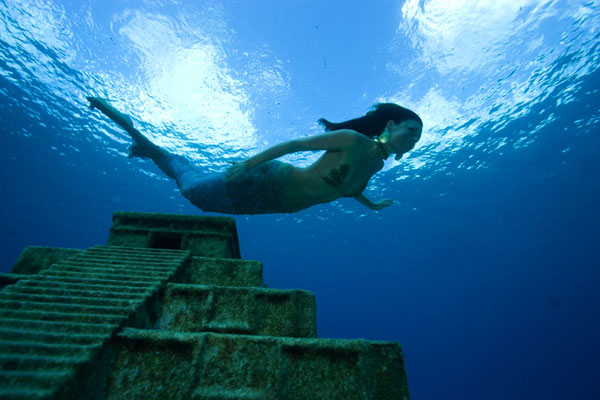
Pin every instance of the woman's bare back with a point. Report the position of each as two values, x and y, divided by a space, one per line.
342 173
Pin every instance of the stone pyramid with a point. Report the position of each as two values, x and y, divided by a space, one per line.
168 310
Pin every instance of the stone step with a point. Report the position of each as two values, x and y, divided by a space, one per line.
137 263
101 274
57 284
98 279
36 380
8 334
251 311
132 254
117 254
45 349
117 271
34 362
147 251
34 259
221 366
223 272
74 300
62 307
12 393
38 315
57 326
99 294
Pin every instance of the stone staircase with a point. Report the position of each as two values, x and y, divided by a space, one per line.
167 310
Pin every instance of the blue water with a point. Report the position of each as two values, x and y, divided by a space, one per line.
485 269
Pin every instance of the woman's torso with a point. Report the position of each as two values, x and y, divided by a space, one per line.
343 173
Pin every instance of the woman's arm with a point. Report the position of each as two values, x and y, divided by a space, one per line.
273 152
373 206
332 141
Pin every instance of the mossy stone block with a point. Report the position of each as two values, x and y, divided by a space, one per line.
152 369
203 236
205 366
251 311
223 272
34 259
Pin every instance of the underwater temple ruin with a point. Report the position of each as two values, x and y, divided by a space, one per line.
168 310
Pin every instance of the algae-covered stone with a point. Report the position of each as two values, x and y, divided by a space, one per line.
251 311
203 236
54 324
34 259
220 366
168 311
223 272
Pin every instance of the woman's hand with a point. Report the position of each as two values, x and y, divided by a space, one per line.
376 206
382 204
237 170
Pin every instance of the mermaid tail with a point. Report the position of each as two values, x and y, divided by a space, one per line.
258 191
142 147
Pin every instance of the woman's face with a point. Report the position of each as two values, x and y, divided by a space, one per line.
404 136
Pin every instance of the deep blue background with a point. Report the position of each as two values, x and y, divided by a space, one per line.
485 270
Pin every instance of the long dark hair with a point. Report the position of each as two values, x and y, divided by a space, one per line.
374 122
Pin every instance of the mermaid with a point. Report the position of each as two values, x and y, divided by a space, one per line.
354 151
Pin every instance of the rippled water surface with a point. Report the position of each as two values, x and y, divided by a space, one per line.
485 269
